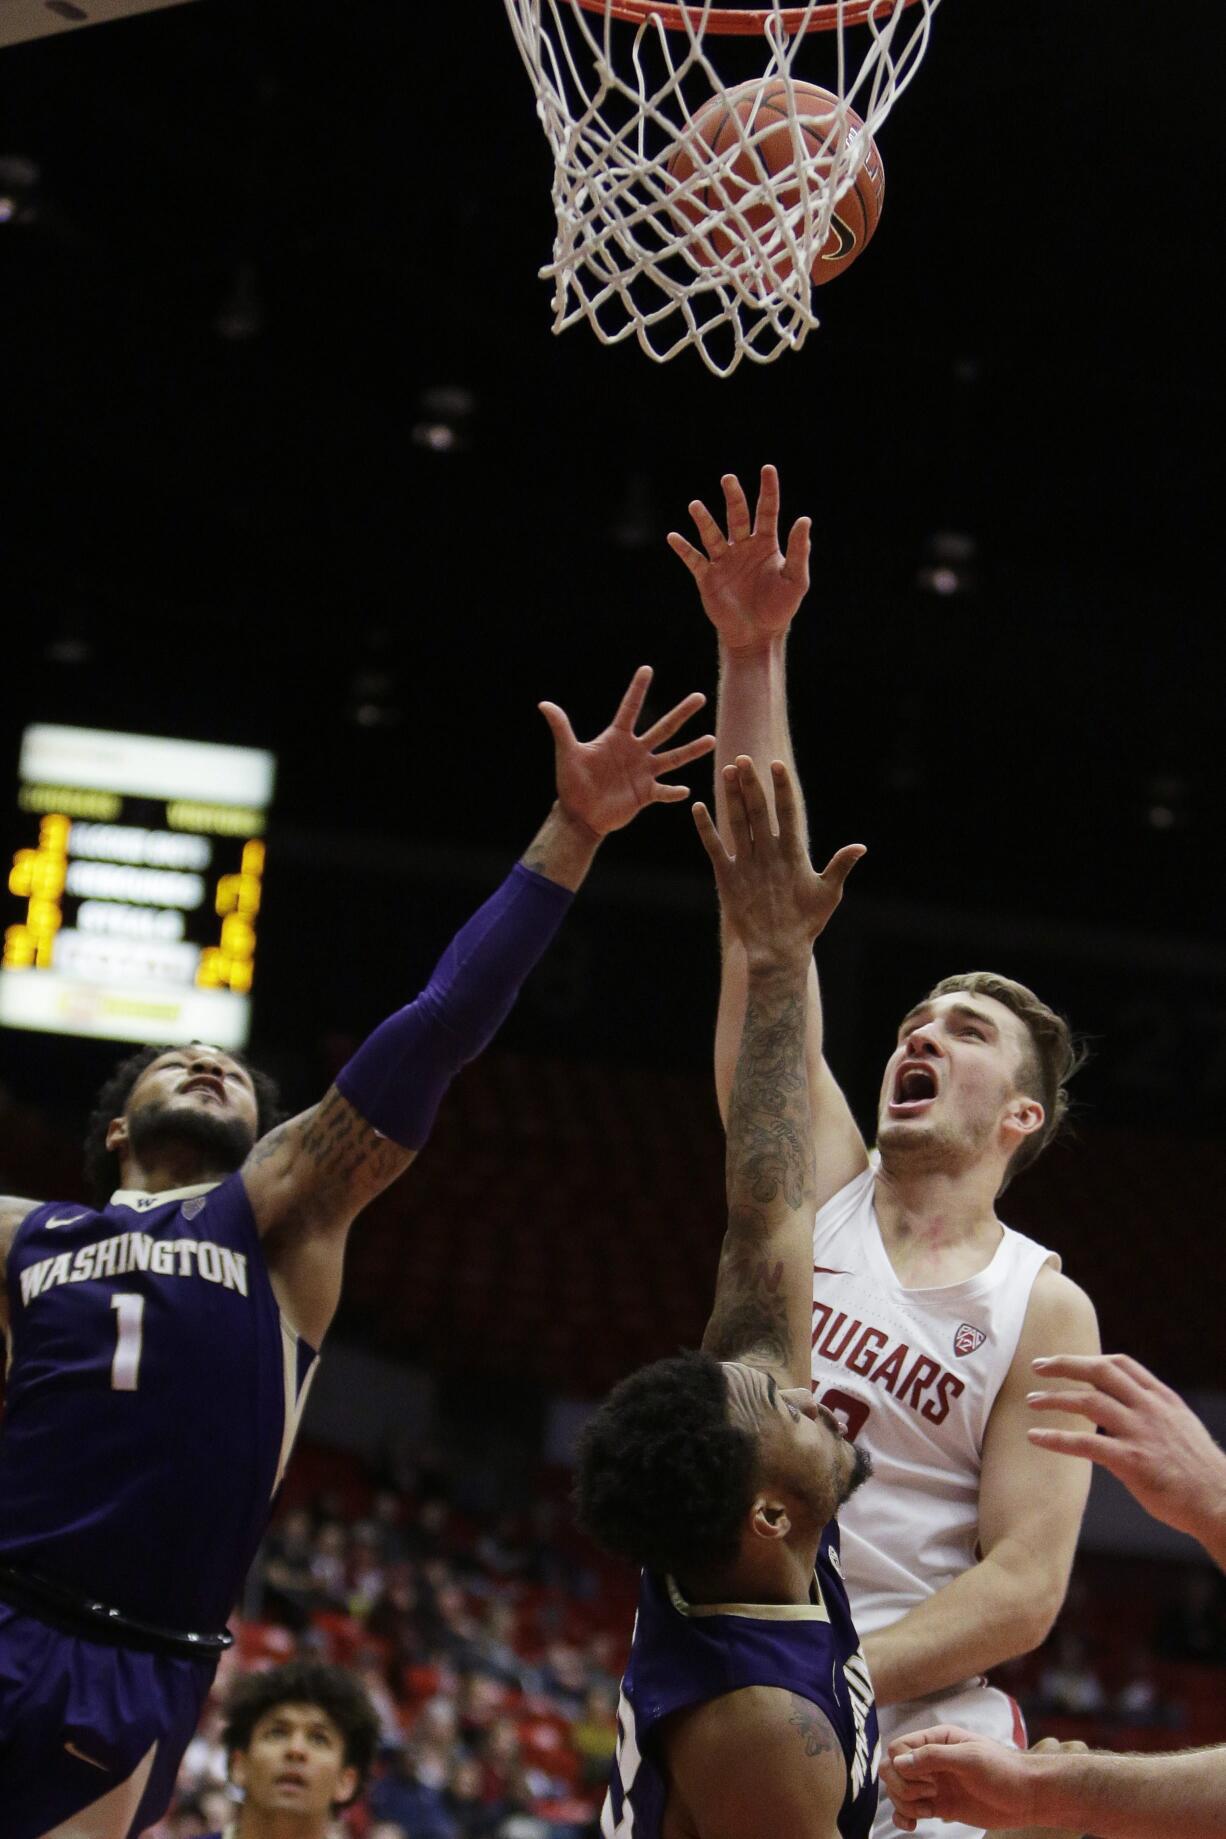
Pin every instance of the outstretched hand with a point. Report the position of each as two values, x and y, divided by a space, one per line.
1147 1437
750 589
605 782
772 897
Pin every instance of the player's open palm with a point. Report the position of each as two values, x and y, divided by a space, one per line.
772 897
605 782
750 588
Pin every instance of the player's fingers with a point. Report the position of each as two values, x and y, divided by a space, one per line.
710 839
1103 1450
840 866
1097 1406
559 724
681 756
737 507
1119 1374
738 817
677 717
668 794
766 523
693 558
632 702
913 1740
754 798
709 531
796 556
786 818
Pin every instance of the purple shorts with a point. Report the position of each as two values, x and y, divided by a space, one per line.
90 1730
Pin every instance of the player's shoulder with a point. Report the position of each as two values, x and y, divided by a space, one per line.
768 1747
853 1195
1060 1315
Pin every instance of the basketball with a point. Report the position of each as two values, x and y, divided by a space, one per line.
762 112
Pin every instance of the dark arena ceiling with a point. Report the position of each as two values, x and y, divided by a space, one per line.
256 256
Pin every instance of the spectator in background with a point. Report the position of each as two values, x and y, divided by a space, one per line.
387 1513
373 1680
394 1615
1193 1625
493 1645
286 1571
564 1677
367 1574
1068 1685
301 1739
1139 1700
500 1761
594 1737
328 1566
404 1799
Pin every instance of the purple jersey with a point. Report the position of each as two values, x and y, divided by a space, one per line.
154 1390
684 1654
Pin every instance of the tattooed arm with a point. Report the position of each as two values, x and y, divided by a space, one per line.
756 1761
777 904
763 1308
308 1180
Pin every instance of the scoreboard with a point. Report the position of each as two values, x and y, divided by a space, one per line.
134 897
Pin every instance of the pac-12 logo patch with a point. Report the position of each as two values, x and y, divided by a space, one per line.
191 1208
967 1339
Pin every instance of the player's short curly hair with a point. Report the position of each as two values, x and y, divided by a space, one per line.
102 1164
665 1478
1055 1055
338 1694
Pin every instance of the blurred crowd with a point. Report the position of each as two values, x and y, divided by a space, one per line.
491 1647
491 1654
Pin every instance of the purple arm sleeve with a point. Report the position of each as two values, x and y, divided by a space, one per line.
397 1078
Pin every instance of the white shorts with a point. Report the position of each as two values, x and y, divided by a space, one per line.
982 1709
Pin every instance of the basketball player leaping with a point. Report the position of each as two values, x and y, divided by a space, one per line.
745 1708
161 1343
927 1310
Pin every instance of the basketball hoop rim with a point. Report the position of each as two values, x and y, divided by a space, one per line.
730 22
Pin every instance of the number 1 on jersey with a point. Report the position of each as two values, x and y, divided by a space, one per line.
125 1367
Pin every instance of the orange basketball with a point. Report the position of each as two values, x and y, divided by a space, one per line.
763 114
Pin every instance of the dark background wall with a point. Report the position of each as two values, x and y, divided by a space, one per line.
254 243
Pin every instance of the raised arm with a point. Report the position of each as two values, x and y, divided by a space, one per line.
308 1179
1030 1509
750 591
775 905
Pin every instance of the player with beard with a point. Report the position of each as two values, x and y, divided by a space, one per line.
161 1342
746 1707
927 1310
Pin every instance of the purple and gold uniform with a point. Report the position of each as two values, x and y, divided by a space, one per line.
154 1390
684 1653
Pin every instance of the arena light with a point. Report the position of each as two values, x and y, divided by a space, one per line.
135 895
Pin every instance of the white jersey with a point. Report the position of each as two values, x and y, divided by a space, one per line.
913 1374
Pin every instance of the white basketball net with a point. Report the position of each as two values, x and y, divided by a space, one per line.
616 98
